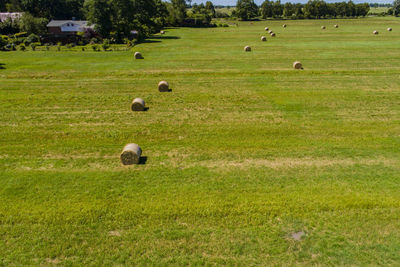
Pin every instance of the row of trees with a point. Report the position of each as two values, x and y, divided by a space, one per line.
247 9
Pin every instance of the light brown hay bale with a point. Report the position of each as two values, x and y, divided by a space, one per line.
375 32
247 48
284 25
273 34
297 65
138 55
263 38
389 29
266 28
131 154
323 27
163 86
138 104
336 26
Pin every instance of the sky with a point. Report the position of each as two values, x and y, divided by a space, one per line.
233 2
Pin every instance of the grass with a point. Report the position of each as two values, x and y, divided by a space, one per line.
244 152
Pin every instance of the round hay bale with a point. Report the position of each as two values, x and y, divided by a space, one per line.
297 65
138 104
247 48
284 25
162 32
323 27
138 55
131 154
263 38
266 29
273 34
336 26
270 31
163 86
375 32
389 29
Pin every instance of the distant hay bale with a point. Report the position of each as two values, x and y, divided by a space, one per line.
138 104
263 38
375 32
389 29
270 31
163 86
336 26
131 154
247 48
266 29
138 55
284 25
162 32
297 65
323 27
273 34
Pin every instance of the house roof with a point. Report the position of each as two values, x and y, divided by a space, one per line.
59 23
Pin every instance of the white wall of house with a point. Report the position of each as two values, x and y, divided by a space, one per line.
71 27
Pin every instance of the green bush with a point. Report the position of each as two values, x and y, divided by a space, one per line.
106 44
22 47
59 46
34 45
95 47
33 38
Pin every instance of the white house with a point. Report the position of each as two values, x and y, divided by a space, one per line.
68 26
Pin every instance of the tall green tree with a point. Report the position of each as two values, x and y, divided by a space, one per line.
396 8
246 9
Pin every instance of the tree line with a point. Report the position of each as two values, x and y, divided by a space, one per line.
313 9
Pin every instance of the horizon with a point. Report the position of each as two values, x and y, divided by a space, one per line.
259 2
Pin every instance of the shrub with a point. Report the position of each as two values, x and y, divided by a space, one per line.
59 45
106 44
33 38
22 47
33 46
95 47
69 46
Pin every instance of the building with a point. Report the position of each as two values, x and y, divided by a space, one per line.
12 16
68 26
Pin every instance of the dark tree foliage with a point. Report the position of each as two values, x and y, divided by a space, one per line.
118 18
246 9
313 9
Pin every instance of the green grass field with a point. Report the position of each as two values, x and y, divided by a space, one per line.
244 152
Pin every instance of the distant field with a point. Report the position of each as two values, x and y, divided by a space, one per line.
378 10
244 153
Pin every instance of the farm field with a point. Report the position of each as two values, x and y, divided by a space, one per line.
248 161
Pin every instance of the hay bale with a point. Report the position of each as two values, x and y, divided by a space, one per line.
270 31
284 25
273 34
263 38
131 154
138 105
323 27
162 32
336 26
163 86
266 29
375 32
138 55
247 48
297 65
389 29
